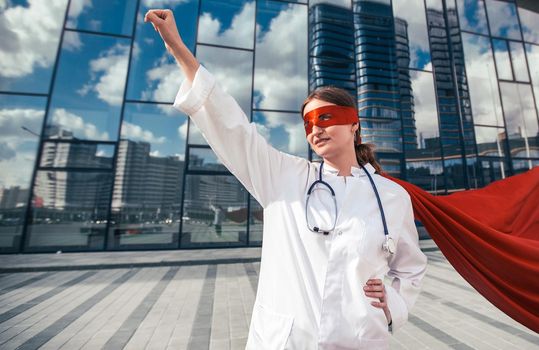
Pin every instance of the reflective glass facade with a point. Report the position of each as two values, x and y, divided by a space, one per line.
93 157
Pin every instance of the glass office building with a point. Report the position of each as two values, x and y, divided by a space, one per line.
93 157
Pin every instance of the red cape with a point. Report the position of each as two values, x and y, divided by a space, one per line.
491 237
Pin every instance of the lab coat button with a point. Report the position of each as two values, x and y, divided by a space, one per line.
339 233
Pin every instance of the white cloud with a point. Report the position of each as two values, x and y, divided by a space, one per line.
502 19
155 153
281 60
111 67
293 127
76 124
413 13
137 133
75 9
182 130
239 34
486 107
18 147
425 112
30 36
167 78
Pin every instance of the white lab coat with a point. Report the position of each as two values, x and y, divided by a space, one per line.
310 290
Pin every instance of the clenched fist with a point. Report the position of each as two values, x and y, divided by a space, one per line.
163 22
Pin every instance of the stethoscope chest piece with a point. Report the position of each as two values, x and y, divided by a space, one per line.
389 245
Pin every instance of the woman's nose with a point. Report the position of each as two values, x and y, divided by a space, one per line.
317 129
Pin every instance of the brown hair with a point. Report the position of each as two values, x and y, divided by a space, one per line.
341 97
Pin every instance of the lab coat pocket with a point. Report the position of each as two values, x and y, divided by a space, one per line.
270 329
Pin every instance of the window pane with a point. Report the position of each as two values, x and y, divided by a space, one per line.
502 18
490 141
423 126
76 155
30 33
256 222
105 16
472 16
454 170
521 118
69 210
523 165
529 21
519 61
341 3
385 134
233 70
214 211
427 174
89 89
21 119
154 75
204 159
146 202
411 25
486 106
284 131
493 169
281 59
195 135
532 52
503 62
227 23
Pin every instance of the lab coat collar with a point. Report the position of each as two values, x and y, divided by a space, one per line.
356 171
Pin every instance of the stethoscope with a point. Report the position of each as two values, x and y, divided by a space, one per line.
388 245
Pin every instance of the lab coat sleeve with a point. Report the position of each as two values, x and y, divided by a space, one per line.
407 267
235 141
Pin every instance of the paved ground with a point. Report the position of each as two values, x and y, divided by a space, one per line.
179 300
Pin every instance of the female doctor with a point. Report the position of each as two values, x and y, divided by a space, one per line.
332 231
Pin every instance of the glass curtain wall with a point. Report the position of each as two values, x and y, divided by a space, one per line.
93 157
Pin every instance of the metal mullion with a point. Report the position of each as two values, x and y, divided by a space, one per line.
118 137
79 141
251 107
23 93
149 102
535 98
464 68
438 109
99 33
75 169
40 142
224 47
456 90
187 146
275 110
508 147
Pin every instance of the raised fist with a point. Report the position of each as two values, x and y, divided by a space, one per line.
163 22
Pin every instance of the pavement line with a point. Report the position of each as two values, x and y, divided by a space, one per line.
201 331
437 333
443 280
133 321
25 283
493 322
128 265
48 333
10 270
31 303
252 274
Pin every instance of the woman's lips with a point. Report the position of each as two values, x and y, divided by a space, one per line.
321 141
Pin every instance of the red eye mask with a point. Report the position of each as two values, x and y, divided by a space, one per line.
329 115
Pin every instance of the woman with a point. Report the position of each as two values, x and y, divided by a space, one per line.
321 275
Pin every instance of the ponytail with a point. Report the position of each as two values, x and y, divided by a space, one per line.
365 153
